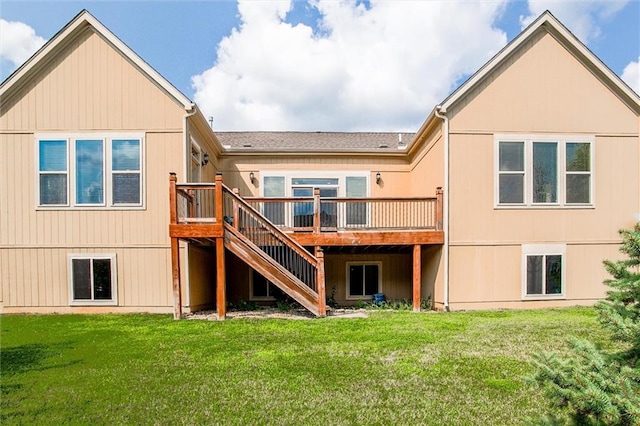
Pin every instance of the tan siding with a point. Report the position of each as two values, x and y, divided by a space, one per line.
396 272
427 169
492 276
543 88
432 274
23 225
202 277
474 219
39 277
89 86
86 87
395 172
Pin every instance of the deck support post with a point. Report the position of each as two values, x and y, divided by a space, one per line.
417 277
175 249
322 292
439 208
221 281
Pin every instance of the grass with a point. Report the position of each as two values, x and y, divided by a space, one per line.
390 368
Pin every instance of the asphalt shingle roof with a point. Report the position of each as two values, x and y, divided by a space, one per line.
314 141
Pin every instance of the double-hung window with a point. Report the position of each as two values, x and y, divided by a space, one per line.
93 279
544 171
91 171
543 271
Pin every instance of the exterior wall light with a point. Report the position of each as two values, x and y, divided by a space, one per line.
378 178
205 159
252 177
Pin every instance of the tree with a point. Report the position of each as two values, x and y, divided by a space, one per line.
589 386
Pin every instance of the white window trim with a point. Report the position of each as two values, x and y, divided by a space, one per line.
114 279
253 298
528 139
107 139
541 250
348 279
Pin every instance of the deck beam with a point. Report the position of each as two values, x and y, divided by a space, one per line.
390 238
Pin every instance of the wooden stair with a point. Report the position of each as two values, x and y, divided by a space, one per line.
272 253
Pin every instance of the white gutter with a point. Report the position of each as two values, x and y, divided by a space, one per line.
441 113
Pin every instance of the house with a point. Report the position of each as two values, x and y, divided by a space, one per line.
508 196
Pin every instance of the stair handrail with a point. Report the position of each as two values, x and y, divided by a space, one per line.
273 229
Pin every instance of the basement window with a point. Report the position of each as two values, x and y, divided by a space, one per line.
261 288
93 279
363 279
543 271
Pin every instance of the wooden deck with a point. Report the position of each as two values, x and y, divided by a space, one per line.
268 232
314 221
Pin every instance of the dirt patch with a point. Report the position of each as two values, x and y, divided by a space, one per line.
266 313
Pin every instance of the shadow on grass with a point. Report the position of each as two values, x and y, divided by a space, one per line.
18 360
31 357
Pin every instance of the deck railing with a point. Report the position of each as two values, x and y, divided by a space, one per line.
313 214
196 202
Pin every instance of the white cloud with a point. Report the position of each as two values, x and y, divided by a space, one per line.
18 41
381 67
581 17
631 75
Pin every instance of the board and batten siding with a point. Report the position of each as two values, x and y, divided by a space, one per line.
395 171
23 225
86 86
89 86
35 278
542 90
396 278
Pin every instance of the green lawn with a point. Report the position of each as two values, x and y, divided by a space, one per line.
390 368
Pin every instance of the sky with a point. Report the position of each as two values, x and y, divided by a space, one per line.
322 65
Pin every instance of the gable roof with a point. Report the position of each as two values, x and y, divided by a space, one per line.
553 26
61 39
369 142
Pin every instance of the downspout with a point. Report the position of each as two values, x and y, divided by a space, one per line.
186 155
191 111
441 113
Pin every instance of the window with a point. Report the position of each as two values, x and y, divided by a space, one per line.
333 213
363 279
196 162
543 271
303 211
93 279
356 186
274 187
263 289
87 171
54 172
544 171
